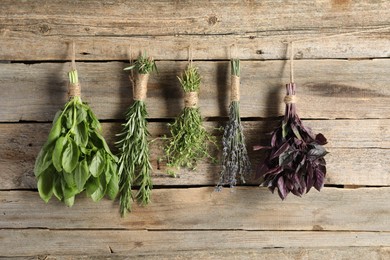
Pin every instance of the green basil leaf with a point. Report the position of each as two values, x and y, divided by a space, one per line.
81 134
113 185
57 153
81 114
69 117
70 179
97 164
43 160
101 190
45 184
55 131
69 201
81 175
70 156
92 185
57 188
68 191
93 121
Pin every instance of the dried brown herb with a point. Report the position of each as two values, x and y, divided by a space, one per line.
295 160
235 160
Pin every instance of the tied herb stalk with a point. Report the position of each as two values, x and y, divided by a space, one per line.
75 156
134 161
189 141
235 159
295 160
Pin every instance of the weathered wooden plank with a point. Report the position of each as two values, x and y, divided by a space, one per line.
268 45
135 243
326 89
334 253
90 18
353 149
246 208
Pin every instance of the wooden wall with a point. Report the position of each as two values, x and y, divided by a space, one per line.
343 90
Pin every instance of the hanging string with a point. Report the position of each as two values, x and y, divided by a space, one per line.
190 55
292 62
73 56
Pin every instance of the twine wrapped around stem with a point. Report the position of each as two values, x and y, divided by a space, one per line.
191 99
141 87
235 88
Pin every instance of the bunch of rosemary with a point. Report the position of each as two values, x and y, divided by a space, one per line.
235 160
189 141
134 164
295 160
75 156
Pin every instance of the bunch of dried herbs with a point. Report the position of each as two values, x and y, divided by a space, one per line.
134 162
189 141
295 160
235 160
75 156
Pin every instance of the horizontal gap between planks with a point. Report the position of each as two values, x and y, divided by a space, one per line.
32 62
192 230
167 187
205 119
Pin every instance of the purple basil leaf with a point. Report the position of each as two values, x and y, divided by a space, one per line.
320 138
281 150
282 188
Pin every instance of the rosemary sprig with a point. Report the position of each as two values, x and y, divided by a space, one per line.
189 141
235 159
134 161
75 156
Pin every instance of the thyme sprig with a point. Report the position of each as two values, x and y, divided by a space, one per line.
189 141
134 160
235 159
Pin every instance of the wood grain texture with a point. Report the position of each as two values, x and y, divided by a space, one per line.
150 18
265 45
334 253
326 89
244 208
42 242
353 149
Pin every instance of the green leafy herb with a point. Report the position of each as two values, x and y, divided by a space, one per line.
134 161
65 166
235 159
189 141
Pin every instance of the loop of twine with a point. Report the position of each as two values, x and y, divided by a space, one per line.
74 90
290 99
191 99
235 88
141 87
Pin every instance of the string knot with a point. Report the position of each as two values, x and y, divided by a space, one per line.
290 99
191 99
74 90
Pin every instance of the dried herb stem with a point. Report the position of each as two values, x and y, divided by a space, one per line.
235 159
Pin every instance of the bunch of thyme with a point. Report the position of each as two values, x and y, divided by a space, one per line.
134 161
189 141
295 160
235 159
